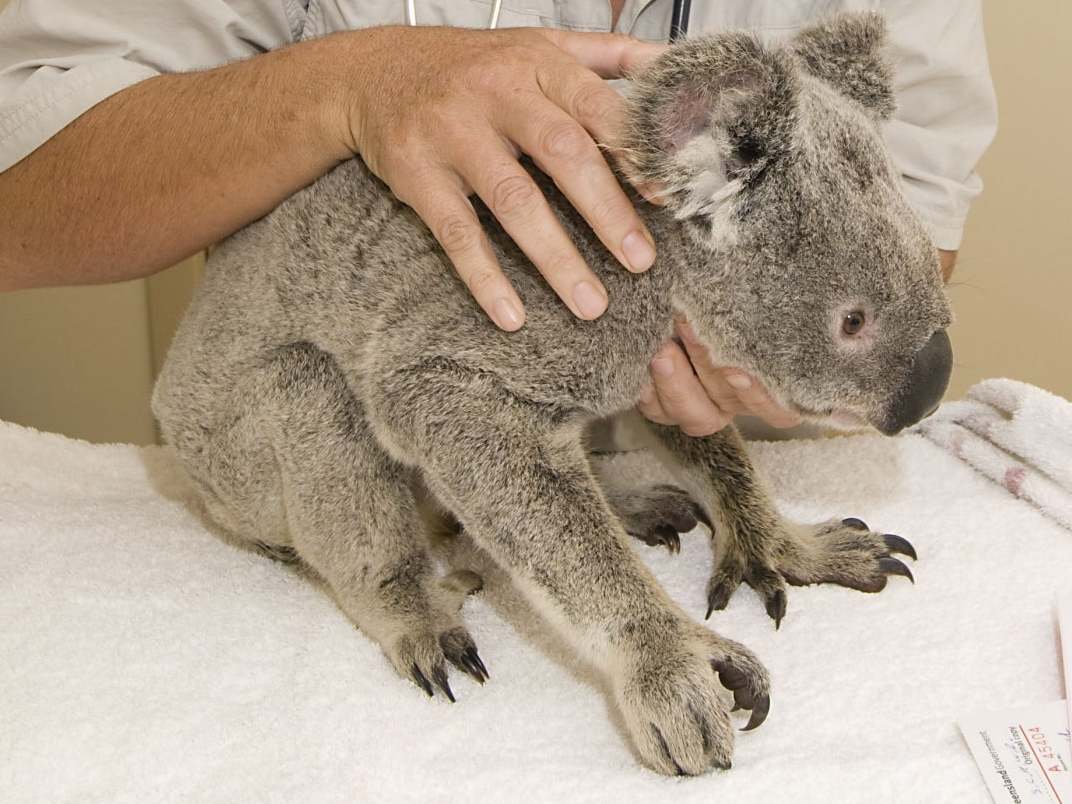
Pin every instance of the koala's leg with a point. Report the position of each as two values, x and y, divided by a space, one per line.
643 491
644 494
758 546
348 511
516 475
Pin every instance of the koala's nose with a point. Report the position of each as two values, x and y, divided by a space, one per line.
927 381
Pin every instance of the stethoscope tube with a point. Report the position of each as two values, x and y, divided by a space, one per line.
679 17
493 17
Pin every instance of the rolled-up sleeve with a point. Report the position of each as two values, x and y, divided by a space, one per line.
59 58
947 111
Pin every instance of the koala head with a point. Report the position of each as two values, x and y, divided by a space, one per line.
804 264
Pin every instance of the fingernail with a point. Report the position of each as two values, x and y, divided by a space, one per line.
639 251
739 381
589 301
663 366
508 315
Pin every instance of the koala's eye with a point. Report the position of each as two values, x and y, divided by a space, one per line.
853 322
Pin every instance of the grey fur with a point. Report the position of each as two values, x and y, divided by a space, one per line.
334 389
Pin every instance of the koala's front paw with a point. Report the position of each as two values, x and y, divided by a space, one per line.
658 515
844 552
676 712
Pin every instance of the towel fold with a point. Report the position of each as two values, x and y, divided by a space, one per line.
1016 434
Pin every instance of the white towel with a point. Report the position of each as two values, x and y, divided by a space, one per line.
1017 435
144 660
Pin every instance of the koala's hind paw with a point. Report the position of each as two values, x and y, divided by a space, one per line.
676 711
658 515
422 656
421 651
844 552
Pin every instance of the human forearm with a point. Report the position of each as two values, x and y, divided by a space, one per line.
171 165
948 260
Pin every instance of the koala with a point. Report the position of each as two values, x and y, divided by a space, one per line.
334 391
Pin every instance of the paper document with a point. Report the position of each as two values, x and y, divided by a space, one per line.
1064 623
1025 754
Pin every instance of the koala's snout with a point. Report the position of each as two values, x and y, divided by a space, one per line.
924 387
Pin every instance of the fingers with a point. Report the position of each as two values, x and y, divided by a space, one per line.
513 197
608 55
563 149
701 398
733 390
757 402
682 399
450 217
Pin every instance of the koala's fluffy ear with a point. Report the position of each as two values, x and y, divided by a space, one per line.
846 51
708 116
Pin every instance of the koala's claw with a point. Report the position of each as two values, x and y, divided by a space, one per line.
663 535
658 515
776 605
439 675
420 680
460 651
855 524
674 704
893 566
719 593
898 544
746 693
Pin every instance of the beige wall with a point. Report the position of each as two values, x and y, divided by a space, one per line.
1013 288
81 360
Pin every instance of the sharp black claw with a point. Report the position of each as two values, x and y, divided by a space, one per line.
710 608
420 680
759 713
474 657
439 675
776 605
855 524
898 544
718 599
731 677
893 566
669 538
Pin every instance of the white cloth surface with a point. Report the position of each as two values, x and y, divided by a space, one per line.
143 659
1016 434
58 58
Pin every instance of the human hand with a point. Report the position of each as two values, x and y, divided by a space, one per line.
689 391
440 113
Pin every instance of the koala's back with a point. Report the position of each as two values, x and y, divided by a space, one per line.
345 266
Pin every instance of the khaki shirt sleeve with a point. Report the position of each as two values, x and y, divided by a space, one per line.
59 58
946 112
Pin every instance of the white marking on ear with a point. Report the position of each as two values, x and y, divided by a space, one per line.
706 190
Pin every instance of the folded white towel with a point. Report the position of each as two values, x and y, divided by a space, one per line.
144 660
1017 435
